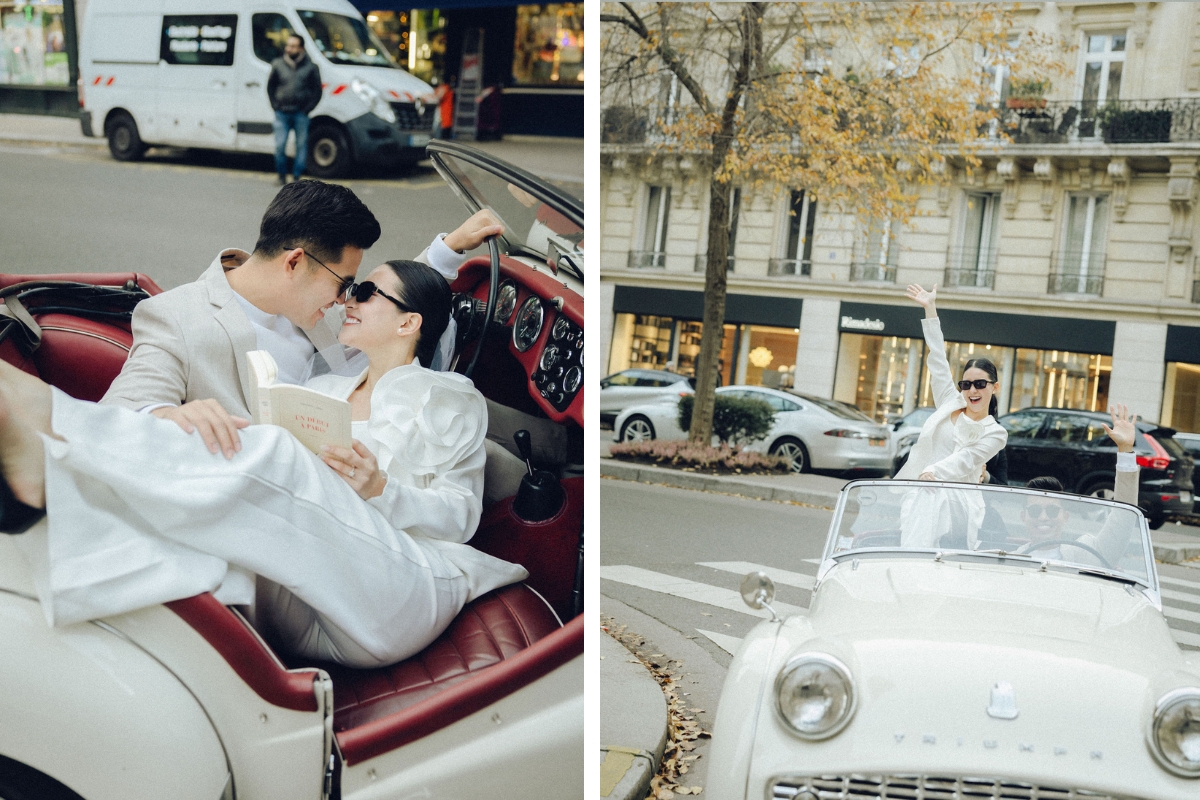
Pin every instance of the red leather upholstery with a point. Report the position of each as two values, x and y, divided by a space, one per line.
94 278
246 654
80 356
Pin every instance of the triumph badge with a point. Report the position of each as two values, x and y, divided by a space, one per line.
1004 701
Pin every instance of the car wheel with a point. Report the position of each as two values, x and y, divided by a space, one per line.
637 429
1101 489
793 450
124 142
21 782
328 152
1155 520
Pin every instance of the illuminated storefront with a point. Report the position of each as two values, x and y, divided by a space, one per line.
1181 384
38 57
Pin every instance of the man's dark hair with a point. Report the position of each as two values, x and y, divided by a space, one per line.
323 218
427 293
296 36
1047 483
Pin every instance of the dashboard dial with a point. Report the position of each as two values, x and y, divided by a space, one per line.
506 301
562 329
528 326
572 379
550 358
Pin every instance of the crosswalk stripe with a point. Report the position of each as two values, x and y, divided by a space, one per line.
1185 637
730 644
1171 594
690 590
1178 613
1193 585
797 579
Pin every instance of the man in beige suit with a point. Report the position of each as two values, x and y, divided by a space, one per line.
188 361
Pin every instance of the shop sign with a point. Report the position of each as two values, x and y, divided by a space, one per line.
868 324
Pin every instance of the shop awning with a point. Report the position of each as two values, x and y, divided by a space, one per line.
365 6
745 309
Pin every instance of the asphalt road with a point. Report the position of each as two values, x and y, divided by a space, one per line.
76 209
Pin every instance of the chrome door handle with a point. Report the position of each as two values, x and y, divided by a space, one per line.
253 85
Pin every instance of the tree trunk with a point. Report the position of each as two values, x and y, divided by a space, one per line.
714 297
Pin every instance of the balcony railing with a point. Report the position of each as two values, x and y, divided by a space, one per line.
647 259
795 267
873 272
970 267
1117 121
1075 273
702 263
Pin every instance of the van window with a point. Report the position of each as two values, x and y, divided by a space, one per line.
271 32
198 39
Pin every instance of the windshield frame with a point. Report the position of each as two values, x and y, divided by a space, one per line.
372 39
565 204
1149 585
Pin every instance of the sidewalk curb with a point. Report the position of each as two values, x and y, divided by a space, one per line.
54 141
637 718
1175 553
714 483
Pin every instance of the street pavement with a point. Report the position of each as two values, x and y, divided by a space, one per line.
68 206
672 560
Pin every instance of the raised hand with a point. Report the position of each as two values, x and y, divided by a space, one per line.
1122 432
475 231
923 298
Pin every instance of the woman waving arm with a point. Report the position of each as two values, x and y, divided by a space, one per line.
940 378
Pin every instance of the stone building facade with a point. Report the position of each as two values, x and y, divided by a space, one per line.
1069 258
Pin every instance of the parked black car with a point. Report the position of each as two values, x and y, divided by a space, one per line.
1073 447
1191 443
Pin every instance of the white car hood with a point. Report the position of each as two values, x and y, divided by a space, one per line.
927 642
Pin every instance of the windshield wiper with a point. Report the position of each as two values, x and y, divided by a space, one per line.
1112 576
1008 554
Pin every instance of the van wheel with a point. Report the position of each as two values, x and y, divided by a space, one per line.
123 140
328 152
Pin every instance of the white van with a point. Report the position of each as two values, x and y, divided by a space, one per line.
193 73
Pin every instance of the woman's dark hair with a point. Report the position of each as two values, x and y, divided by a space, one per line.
323 218
1047 483
424 291
993 375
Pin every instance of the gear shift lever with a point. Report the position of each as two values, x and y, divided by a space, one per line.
541 496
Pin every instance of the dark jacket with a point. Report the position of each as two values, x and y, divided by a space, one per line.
291 90
998 468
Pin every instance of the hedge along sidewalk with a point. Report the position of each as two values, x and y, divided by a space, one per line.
1172 544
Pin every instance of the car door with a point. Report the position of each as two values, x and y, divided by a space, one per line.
616 391
1063 449
197 95
1023 445
268 32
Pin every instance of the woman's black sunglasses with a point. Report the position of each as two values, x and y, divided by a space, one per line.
362 292
979 384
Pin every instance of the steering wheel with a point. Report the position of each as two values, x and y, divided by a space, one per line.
493 288
1040 545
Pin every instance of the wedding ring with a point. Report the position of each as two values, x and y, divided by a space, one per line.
352 472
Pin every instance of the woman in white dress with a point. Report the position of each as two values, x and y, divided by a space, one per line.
956 442
359 560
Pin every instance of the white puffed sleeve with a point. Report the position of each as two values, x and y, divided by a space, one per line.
430 427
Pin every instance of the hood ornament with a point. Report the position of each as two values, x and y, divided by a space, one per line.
1003 704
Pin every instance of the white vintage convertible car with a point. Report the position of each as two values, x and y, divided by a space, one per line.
965 642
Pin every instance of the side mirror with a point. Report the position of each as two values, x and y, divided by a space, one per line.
604 384
758 590
896 425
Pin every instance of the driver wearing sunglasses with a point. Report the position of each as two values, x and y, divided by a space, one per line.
1046 519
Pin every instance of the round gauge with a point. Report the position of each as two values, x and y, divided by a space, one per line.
550 357
572 379
506 301
562 329
528 326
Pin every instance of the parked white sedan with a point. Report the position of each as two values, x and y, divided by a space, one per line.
814 433
636 386
965 642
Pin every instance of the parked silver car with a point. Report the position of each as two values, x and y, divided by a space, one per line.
812 432
632 386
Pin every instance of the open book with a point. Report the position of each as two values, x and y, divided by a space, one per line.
315 419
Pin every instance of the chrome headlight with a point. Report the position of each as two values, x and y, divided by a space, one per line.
814 695
1175 732
373 100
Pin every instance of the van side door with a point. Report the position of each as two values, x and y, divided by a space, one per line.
267 33
197 96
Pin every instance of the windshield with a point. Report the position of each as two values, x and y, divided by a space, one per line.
532 226
345 40
1065 531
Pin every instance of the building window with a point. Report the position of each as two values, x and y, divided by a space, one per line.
973 263
1103 61
654 230
1181 397
33 49
735 206
801 223
548 50
1079 264
880 254
641 341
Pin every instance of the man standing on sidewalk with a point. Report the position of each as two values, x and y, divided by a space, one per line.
294 90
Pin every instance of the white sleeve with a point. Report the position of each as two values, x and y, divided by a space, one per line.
940 378
448 508
444 260
1126 462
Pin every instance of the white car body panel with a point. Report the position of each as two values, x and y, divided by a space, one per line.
925 642
200 106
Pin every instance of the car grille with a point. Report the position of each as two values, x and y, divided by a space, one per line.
409 119
925 787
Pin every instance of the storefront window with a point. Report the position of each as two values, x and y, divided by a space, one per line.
958 354
32 45
549 45
641 341
427 44
1181 397
391 28
771 359
1058 379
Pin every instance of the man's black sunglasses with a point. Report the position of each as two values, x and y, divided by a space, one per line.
362 292
979 384
343 283
1037 512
